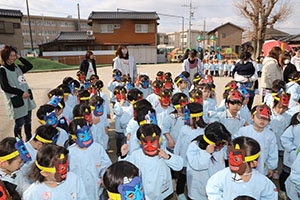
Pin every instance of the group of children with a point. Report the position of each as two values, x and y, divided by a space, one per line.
224 68
164 130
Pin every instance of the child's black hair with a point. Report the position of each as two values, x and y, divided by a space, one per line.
83 95
140 106
141 113
278 85
46 132
244 198
168 74
177 80
294 120
96 99
98 85
119 88
157 84
117 71
76 83
64 88
194 92
114 175
43 110
148 130
7 146
45 157
186 74
134 94
67 80
175 99
76 111
294 76
55 92
94 76
72 130
159 73
196 108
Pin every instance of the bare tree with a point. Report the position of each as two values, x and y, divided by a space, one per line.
262 13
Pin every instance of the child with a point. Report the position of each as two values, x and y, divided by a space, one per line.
59 106
244 111
205 66
118 109
259 66
277 85
100 122
123 181
157 88
116 81
211 67
280 120
47 116
160 76
12 156
209 105
216 65
231 85
81 78
153 162
51 177
163 106
194 126
221 68
293 88
99 87
173 122
231 116
196 96
233 62
83 96
241 178
181 85
168 83
226 68
87 158
67 111
143 85
292 183
268 160
72 99
188 78
205 157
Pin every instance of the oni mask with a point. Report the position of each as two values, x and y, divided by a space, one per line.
156 90
165 98
263 111
243 90
98 109
88 116
197 99
61 166
23 152
231 85
4 195
132 190
81 76
168 83
160 77
144 83
84 137
282 97
92 90
117 76
218 145
120 94
234 95
150 118
150 144
186 116
72 88
129 86
51 119
86 84
237 162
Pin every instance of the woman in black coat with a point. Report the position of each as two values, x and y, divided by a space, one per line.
88 65
288 67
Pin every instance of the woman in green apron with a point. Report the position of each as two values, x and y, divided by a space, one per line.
17 95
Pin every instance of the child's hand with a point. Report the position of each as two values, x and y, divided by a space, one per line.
163 154
210 148
124 149
106 130
171 143
96 120
122 102
270 173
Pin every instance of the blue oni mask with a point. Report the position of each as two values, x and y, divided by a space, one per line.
145 83
72 88
186 116
132 190
98 110
243 90
23 152
84 136
117 77
51 119
150 118
86 84
129 86
55 101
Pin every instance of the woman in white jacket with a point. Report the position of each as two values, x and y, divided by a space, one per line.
125 63
192 64
271 70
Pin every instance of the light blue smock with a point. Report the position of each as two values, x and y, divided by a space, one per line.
118 112
153 99
294 89
146 91
111 86
292 184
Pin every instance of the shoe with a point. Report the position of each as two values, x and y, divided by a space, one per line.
181 197
275 175
282 195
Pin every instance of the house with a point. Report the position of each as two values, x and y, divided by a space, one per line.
292 40
228 36
10 28
275 34
46 28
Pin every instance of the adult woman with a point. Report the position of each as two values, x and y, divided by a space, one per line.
296 59
88 65
288 67
192 64
125 63
17 94
271 70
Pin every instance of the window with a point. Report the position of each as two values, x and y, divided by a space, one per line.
141 28
17 25
223 35
106 28
2 29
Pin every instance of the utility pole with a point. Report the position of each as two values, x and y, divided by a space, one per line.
29 23
191 14
204 36
78 16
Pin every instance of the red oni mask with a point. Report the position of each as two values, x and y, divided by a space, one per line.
237 162
120 94
92 90
3 194
234 95
183 102
161 77
150 144
156 90
284 100
165 99
263 111
88 116
61 166
81 77
197 99
231 85
168 85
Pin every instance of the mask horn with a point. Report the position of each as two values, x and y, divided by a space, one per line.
154 134
237 146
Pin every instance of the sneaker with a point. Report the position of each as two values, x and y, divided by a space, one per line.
275 175
181 197
282 195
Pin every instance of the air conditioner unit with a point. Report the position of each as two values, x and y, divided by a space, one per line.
89 33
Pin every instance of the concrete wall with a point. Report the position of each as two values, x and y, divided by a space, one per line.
15 39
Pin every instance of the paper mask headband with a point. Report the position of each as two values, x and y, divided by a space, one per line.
98 109
23 152
50 118
231 85
234 95
242 89
263 111
131 189
84 137
181 78
55 101
150 118
187 115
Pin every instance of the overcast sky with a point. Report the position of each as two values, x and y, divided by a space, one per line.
215 12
